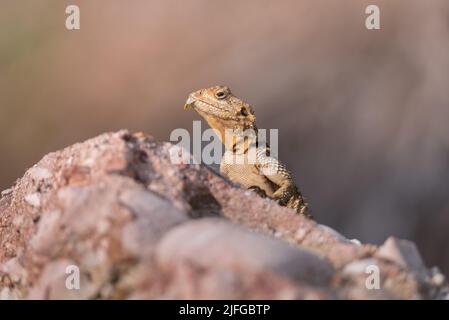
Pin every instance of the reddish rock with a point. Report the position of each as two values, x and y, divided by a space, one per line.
138 226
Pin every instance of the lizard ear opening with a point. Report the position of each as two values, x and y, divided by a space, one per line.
243 112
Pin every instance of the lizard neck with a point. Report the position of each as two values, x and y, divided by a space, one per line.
237 139
240 141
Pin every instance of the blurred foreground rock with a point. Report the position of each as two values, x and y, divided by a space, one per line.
137 226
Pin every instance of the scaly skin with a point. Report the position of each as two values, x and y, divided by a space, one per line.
255 169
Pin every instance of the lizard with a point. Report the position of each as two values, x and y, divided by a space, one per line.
266 175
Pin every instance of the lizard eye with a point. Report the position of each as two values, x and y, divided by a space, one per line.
243 112
220 94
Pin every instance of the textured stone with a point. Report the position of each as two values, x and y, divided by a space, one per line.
153 217
33 199
138 226
213 243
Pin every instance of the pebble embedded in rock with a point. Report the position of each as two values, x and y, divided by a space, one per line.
33 199
39 173
6 192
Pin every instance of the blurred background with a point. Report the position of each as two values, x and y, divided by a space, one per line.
362 115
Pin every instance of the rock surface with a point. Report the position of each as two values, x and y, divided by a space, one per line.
135 225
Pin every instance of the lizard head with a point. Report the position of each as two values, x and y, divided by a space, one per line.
221 109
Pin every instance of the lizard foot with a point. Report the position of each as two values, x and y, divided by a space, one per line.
259 191
282 200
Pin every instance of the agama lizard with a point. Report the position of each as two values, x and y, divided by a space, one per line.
226 113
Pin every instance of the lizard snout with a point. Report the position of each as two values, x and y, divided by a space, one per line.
189 102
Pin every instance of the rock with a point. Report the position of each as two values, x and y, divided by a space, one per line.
39 173
438 279
203 242
153 217
358 266
9 294
6 192
33 199
53 284
15 271
402 252
136 225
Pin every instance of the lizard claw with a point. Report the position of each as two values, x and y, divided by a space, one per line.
281 201
259 191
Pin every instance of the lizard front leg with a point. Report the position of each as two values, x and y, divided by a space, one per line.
287 193
286 190
277 173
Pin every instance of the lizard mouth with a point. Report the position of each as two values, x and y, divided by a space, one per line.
206 109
